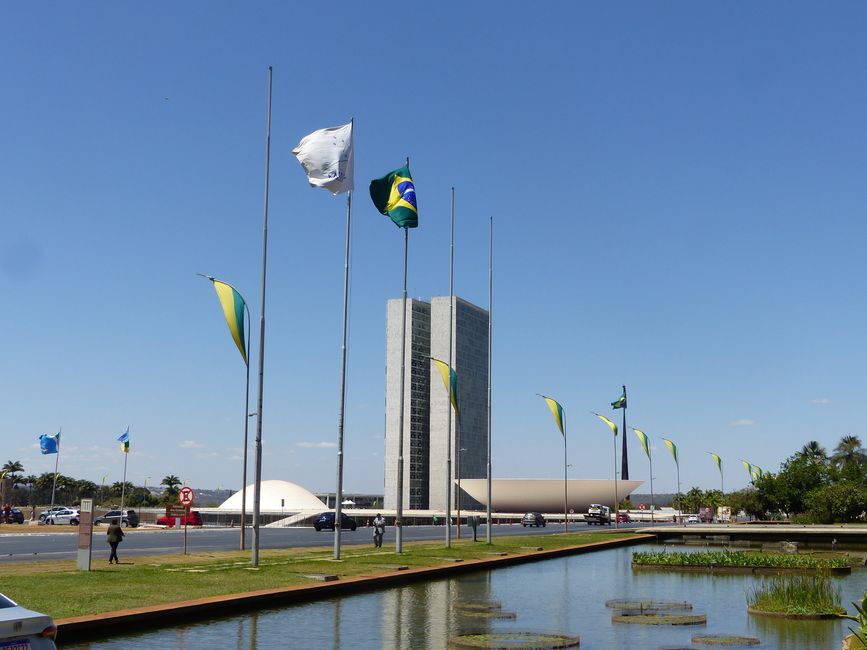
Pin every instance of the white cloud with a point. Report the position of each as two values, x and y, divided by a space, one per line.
742 423
317 445
189 444
822 401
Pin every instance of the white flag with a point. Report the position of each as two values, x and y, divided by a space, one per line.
326 156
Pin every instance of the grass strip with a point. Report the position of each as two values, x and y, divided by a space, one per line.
57 588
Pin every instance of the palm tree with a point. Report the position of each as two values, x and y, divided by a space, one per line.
849 452
11 470
172 484
813 452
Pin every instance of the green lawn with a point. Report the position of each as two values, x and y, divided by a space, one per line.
58 589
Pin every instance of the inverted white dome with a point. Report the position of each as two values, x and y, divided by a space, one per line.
275 496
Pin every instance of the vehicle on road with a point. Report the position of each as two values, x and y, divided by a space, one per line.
693 519
598 514
623 518
15 517
44 514
65 516
533 519
23 628
129 518
326 520
193 519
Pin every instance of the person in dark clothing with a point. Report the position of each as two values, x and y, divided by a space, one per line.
115 537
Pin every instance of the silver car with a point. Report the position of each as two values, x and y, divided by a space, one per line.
66 516
24 629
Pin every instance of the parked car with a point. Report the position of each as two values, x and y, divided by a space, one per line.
692 519
65 516
15 517
533 519
193 519
326 520
44 514
24 628
623 518
128 519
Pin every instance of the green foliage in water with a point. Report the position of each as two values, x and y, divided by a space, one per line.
801 595
726 558
861 631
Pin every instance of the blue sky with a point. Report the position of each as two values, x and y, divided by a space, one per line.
677 188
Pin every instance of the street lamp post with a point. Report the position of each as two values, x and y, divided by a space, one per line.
458 500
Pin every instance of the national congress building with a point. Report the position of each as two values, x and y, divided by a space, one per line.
426 406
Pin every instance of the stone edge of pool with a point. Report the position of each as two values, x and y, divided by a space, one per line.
167 614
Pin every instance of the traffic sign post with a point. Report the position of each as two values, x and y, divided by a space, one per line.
186 496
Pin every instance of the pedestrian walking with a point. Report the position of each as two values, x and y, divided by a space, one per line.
378 530
115 537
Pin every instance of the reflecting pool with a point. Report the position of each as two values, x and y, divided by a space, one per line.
565 595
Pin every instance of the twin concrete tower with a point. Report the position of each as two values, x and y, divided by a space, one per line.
426 405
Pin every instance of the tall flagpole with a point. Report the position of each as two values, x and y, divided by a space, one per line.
246 430
650 458
624 463
56 464
616 498
450 482
123 483
257 493
490 365
338 502
398 520
565 480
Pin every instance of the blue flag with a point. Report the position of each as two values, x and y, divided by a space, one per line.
124 441
49 444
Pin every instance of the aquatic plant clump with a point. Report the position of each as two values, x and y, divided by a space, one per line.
659 618
478 605
725 640
653 605
726 558
514 641
796 596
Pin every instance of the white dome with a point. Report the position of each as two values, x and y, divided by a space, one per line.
276 496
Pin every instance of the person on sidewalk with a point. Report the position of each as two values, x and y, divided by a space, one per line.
378 530
115 537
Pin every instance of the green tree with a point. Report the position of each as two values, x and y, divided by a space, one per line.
840 502
172 483
849 457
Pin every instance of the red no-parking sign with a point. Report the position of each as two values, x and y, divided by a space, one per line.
186 496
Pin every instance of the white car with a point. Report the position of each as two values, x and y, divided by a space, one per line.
25 629
65 516
693 519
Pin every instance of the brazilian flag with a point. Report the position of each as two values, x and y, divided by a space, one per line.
394 196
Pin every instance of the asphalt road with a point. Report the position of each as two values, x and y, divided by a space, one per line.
37 546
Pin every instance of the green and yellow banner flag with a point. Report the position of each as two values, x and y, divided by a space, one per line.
645 441
673 449
450 378
557 412
233 309
620 402
753 470
717 460
610 424
394 196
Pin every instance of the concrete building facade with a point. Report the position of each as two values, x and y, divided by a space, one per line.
426 407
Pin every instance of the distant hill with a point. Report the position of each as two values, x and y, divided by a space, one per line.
204 498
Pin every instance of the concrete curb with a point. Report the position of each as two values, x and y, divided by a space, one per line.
159 616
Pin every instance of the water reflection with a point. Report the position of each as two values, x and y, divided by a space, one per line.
565 595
